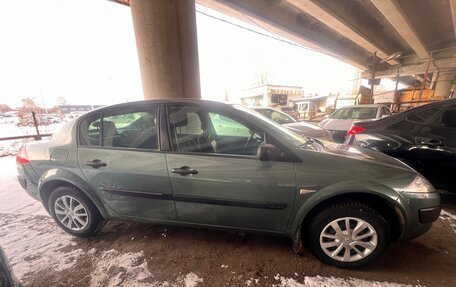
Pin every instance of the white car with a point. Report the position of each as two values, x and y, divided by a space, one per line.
339 122
301 128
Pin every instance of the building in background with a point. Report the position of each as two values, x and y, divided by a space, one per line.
77 109
267 95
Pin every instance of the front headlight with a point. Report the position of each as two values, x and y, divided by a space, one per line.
419 185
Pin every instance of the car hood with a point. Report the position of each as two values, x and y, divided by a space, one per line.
358 153
336 124
308 130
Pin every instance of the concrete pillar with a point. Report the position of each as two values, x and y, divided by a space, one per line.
444 83
166 39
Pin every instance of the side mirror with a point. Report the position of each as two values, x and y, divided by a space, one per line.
269 152
326 116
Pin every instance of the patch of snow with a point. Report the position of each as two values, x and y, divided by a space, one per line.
130 269
224 266
35 243
317 281
451 218
15 200
11 129
189 280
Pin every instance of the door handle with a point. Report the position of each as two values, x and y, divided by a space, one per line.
184 170
434 143
96 163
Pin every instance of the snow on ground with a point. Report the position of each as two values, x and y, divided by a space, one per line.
27 233
35 243
131 269
10 130
318 281
451 218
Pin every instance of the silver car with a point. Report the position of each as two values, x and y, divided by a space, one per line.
339 122
301 128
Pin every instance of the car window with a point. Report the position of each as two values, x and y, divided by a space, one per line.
423 116
131 129
355 113
225 126
385 111
214 132
276 116
449 118
89 131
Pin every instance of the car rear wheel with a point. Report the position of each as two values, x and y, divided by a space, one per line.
74 212
348 235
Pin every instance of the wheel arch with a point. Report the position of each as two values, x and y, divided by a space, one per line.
385 205
52 180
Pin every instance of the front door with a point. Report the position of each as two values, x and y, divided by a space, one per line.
436 144
118 154
216 177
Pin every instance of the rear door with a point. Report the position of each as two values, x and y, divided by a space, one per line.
119 155
436 148
216 177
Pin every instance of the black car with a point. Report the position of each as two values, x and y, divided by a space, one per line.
7 278
423 137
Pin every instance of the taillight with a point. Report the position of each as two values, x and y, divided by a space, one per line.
354 130
21 157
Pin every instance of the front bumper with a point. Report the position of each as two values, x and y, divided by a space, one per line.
429 215
421 210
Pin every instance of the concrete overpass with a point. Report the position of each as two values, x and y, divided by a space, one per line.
409 39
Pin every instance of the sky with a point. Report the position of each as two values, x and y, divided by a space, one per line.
85 51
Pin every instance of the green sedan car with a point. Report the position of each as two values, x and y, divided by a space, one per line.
207 164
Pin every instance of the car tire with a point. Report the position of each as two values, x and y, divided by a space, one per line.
74 212
366 239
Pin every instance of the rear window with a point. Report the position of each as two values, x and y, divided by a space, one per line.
127 128
423 117
90 131
355 113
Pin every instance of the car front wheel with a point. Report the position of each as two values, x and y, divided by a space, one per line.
348 235
74 212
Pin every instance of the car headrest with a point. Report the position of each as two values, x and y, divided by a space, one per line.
109 128
178 119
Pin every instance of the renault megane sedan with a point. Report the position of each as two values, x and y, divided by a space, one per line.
207 164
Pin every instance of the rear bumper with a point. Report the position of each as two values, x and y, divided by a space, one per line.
22 181
338 136
29 187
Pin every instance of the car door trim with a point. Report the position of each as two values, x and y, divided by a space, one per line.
198 199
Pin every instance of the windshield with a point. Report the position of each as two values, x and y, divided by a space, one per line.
291 136
276 116
355 113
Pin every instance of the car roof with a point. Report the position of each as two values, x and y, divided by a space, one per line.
263 108
162 101
364 105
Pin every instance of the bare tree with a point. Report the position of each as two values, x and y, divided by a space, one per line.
262 78
62 101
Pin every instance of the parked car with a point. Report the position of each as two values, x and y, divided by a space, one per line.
50 119
423 137
173 162
339 122
7 278
301 128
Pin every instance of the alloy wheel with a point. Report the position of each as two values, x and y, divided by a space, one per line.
348 239
71 212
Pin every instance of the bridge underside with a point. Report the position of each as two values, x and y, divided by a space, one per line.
413 39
